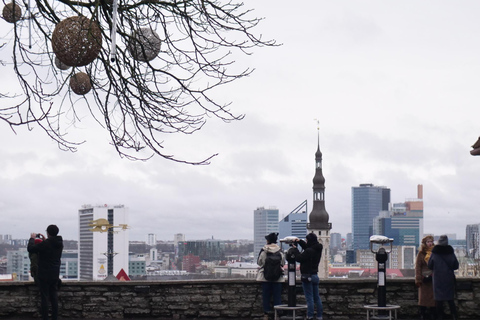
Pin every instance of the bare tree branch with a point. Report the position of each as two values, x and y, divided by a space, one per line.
157 77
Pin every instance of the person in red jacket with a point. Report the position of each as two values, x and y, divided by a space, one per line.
49 260
34 261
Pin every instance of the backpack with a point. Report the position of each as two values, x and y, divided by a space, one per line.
273 269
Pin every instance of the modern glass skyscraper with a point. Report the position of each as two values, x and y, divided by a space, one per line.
295 223
265 221
367 202
403 222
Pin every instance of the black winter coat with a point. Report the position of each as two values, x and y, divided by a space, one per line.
443 262
50 253
310 257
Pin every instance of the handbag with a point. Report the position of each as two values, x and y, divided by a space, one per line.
427 279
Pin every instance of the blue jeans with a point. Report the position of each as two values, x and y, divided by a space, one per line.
310 289
270 289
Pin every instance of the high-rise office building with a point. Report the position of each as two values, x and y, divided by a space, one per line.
152 239
472 237
18 264
335 241
178 238
403 222
295 223
265 221
349 241
367 202
103 241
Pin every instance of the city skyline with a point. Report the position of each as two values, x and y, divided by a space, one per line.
395 91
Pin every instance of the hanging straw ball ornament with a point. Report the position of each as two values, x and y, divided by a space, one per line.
144 45
60 65
77 41
80 83
12 12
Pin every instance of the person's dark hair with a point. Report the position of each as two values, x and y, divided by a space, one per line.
52 230
312 237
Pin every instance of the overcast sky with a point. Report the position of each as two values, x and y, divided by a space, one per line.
395 86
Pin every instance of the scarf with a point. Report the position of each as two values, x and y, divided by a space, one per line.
428 254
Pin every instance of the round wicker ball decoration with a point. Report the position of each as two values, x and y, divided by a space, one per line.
80 83
77 41
12 12
60 65
144 45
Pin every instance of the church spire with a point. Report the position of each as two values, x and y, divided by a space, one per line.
319 217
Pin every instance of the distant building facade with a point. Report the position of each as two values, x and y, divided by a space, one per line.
335 241
95 259
69 265
18 263
403 222
349 241
294 224
136 265
151 239
208 250
265 221
190 263
236 269
401 257
472 237
367 202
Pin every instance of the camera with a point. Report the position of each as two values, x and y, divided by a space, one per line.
38 235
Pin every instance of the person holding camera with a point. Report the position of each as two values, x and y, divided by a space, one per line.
309 259
423 279
49 259
34 259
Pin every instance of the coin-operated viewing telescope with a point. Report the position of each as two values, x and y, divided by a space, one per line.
290 257
381 246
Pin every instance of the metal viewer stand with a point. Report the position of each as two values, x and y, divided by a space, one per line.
382 310
292 297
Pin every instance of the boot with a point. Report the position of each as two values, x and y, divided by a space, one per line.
422 312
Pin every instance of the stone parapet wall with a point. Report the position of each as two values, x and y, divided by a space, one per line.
217 299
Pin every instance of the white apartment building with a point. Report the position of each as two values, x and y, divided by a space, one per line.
103 241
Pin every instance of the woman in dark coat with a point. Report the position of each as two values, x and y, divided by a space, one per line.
423 279
443 262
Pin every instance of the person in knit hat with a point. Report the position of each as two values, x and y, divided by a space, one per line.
271 288
443 263
423 279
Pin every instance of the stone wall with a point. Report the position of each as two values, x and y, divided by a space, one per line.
216 299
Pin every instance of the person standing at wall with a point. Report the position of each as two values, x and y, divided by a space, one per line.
49 259
271 260
423 279
34 260
309 259
443 263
